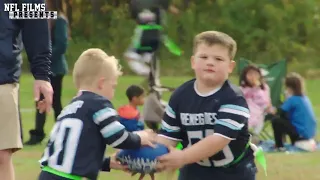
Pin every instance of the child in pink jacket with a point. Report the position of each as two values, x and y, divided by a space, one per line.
257 94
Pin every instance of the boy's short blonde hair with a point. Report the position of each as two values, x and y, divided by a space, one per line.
211 38
93 64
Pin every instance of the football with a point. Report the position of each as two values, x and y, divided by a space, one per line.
142 160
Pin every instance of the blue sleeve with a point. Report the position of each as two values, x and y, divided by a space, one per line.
287 105
171 124
232 117
113 132
60 41
140 126
36 40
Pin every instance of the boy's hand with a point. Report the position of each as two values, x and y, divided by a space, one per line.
148 137
114 164
174 160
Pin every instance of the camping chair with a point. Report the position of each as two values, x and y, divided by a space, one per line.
274 75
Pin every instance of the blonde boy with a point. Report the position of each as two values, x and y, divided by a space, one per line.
78 139
209 116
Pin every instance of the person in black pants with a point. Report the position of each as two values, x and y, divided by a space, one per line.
282 126
295 116
59 38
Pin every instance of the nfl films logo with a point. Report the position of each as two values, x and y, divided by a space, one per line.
29 11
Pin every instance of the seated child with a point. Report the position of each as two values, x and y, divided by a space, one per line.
297 118
78 139
257 95
129 114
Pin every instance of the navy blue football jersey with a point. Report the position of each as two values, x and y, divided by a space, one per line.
79 137
191 116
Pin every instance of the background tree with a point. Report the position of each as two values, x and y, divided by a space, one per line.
266 30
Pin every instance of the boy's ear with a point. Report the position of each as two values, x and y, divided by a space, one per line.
101 82
232 65
134 99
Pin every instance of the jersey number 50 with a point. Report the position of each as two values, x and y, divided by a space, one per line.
195 136
65 138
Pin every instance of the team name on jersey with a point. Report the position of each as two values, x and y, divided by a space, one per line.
71 109
189 119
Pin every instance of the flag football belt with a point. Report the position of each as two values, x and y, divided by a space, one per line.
62 174
239 157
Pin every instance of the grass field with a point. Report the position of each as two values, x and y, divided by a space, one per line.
281 166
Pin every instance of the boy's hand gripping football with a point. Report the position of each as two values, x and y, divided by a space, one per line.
114 164
162 166
171 161
148 137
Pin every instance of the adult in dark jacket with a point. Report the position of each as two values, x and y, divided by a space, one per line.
59 67
34 35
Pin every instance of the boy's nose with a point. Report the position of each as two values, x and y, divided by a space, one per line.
210 63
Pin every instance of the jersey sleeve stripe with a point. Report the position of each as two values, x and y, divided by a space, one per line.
103 114
165 126
168 137
235 111
170 112
235 107
112 129
230 124
234 123
120 140
218 134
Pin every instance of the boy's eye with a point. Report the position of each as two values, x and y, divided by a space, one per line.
219 59
203 57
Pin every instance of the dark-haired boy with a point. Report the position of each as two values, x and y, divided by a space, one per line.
129 114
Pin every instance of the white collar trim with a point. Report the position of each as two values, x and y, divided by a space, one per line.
205 94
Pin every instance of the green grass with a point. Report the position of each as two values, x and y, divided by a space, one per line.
281 166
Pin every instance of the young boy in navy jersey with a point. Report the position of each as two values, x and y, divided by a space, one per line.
83 129
209 116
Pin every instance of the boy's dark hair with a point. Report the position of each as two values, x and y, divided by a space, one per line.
243 78
134 91
295 82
